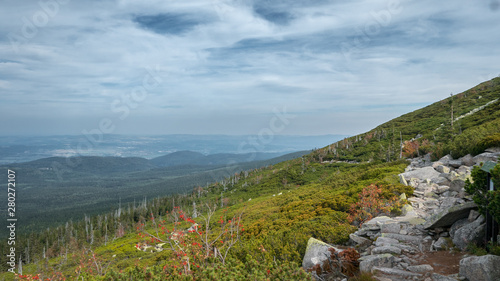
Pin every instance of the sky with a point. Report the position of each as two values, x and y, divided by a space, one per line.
236 67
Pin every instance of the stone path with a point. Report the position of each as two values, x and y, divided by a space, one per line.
441 217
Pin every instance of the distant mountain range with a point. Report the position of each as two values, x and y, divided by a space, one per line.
54 189
107 165
19 149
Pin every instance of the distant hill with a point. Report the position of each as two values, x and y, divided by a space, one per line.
92 184
195 158
92 164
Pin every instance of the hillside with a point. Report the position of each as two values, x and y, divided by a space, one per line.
476 114
195 158
92 185
255 224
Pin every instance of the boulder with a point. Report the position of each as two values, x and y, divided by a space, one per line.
442 189
393 272
416 240
386 250
442 244
420 268
449 216
455 163
457 185
445 160
485 157
470 233
366 264
375 223
316 253
473 215
407 210
441 180
442 169
385 241
448 202
468 160
484 268
439 277
391 227
422 174
402 180
457 225
360 242
464 170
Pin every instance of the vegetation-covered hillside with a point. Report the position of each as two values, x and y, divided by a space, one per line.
475 114
255 225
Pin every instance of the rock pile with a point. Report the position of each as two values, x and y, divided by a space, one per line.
440 216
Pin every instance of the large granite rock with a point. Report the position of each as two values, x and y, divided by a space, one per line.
445 160
468 160
443 243
449 216
485 268
422 174
470 233
455 163
457 185
316 253
439 277
485 157
457 225
366 264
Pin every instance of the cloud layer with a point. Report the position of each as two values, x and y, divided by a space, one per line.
223 66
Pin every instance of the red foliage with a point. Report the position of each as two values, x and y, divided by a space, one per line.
370 204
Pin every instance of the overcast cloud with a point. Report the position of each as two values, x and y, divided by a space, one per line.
226 66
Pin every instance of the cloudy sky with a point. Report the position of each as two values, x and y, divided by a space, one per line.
299 67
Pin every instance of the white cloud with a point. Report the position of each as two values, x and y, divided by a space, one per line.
232 65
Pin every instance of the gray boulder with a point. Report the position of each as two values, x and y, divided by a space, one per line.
439 277
484 268
442 180
420 268
442 189
473 215
385 241
422 174
470 233
366 264
445 160
442 169
484 157
396 274
457 225
442 244
455 163
449 216
468 160
457 185
316 253
386 250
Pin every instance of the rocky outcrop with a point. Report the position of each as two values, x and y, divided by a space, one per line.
450 215
485 268
470 233
316 253
439 217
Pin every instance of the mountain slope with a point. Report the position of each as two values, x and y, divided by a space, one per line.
431 126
